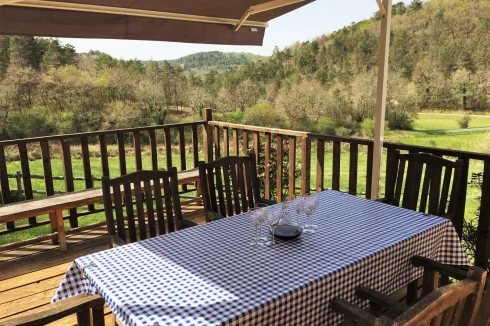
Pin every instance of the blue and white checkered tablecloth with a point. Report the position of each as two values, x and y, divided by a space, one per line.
209 275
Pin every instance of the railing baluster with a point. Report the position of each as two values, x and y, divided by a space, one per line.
121 154
279 152
87 171
267 168
26 176
216 141
245 143
483 240
369 170
226 142
305 165
235 142
257 147
320 165
137 150
292 167
207 135
183 163
68 174
353 164
168 148
195 146
104 160
153 149
48 172
336 166
4 183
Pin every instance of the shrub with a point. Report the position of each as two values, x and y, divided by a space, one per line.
29 123
325 126
367 128
263 115
343 131
464 122
233 117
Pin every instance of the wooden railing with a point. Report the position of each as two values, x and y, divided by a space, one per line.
236 139
184 134
345 162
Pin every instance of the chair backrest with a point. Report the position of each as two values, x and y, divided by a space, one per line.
431 198
229 185
454 304
138 200
89 310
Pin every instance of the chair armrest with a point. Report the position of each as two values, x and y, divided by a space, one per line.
382 300
59 310
267 201
349 310
184 224
445 270
116 241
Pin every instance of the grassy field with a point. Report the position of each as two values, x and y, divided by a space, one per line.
467 140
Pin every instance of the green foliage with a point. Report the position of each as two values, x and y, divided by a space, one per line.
215 59
464 122
367 127
264 115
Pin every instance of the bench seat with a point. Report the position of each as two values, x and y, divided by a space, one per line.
54 205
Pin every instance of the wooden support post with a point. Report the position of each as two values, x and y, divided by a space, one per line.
207 134
267 168
483 242
279 158
384 51
57 224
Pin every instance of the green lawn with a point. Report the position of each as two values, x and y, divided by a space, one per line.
434 121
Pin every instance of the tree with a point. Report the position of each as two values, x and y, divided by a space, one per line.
25 51
198 98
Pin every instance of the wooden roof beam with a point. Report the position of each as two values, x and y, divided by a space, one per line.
263 7
382 8
8 2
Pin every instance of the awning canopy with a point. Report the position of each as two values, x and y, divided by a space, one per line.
234 22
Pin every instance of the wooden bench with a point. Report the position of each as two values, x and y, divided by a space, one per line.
55 205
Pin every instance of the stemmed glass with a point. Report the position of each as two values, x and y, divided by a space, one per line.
273 220
263 215
256 224
310 205
299 205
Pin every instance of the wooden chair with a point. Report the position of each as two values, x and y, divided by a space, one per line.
431 198
453 304
230 186
89 310
147 192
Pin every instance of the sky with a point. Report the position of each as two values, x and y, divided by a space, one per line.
306 23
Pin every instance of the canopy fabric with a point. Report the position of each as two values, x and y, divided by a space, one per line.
190 21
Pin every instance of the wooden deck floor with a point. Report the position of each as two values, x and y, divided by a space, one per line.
29 275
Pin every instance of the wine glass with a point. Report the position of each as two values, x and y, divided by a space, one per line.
299 205
263 214
256 224
311 203
273 220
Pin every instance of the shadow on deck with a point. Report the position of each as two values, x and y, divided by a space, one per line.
29 275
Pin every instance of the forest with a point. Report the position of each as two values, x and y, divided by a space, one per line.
439 60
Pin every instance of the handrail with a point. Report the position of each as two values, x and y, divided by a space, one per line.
97 133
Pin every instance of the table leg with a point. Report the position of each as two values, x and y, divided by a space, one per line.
61 229
54 227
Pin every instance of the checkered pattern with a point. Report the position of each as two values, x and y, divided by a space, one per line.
209 275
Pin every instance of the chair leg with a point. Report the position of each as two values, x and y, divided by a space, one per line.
412 292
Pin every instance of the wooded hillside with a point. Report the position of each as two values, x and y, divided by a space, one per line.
440 59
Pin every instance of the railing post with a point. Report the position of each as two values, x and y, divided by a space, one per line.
18 180
207 134
305 164
483 240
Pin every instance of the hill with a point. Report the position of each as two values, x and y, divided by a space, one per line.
215 60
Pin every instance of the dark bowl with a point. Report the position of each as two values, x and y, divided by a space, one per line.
287 232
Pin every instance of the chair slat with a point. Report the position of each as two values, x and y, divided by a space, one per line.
429 171
138 198
234 183
229 198
157 185
445 191
243 192
118 207
168 205
212 189
435 189
219 186
399 183
128 198
249 187
149 208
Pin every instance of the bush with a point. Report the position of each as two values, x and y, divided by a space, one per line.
343 132
464 122
325 126
263 115
367 128
400 120
33 122
233 117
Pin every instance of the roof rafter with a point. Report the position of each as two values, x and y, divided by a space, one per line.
263 7
382 8
126 11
